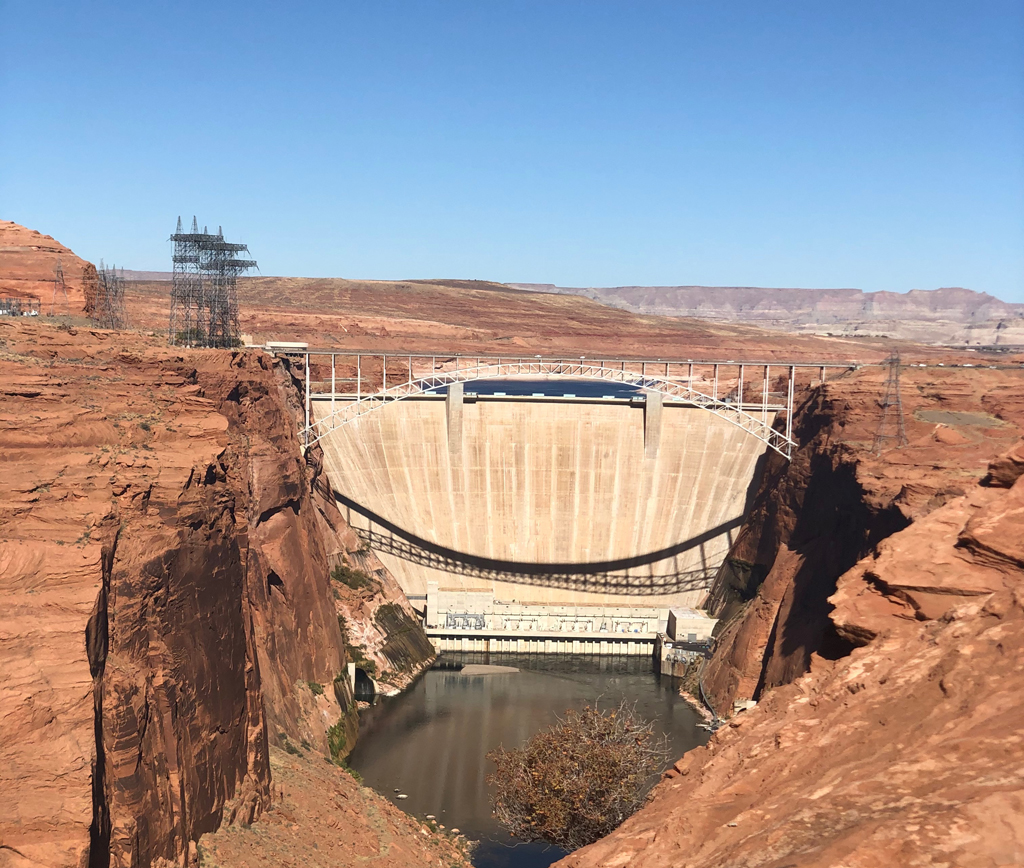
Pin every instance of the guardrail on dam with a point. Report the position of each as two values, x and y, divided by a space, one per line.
749 403
537 519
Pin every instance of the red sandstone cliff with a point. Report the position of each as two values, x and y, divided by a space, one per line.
905 748
816 516
27 268
167 612
383 632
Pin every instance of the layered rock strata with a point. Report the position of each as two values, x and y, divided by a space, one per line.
28 263
905 748
950 315
167 608
815 516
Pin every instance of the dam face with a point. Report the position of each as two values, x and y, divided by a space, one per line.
502 485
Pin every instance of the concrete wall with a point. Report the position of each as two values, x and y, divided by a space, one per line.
546 481
478 610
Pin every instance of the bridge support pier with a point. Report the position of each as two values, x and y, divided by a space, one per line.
653 407
453 411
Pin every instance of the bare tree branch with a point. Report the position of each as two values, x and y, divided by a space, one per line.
578 780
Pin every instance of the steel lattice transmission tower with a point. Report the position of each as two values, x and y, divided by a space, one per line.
60 288
109 310
891 426
204 296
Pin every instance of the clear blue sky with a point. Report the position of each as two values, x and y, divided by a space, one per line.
878 145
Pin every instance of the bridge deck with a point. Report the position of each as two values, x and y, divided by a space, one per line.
468 397
747 394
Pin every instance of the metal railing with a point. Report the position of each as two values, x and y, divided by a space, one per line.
370 381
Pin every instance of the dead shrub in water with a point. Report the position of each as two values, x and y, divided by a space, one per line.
578 780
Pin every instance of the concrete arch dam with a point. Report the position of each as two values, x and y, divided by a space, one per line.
544 514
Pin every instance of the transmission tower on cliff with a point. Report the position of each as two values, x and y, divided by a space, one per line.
109 307
891 426
204 299
59 288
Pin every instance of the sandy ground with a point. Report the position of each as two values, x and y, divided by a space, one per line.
323 818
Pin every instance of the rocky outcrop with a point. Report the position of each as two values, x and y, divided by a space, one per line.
296 629
1006 469
810 521
817 515
28 261
166 596
384 635
906 751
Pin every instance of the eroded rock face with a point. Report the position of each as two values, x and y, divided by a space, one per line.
27 269
1006 469
907 751
815 517
384 633
166 598
906 748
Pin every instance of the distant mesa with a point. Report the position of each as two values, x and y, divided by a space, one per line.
148 275
951 315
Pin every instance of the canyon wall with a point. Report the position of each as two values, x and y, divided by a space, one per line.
816 516
167 605
877 614
382 632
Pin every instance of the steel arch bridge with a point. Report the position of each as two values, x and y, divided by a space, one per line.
754 414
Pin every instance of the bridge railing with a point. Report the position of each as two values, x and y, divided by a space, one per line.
756 396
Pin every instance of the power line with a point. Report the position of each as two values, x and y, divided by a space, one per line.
109 308
891 426
59 288
204 295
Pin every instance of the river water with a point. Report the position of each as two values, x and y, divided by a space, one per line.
430 742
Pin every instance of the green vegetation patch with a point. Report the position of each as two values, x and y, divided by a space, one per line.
336 741
355 579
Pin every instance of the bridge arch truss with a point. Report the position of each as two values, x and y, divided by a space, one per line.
749 395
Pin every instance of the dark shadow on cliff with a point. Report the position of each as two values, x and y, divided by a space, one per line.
596 576
835 528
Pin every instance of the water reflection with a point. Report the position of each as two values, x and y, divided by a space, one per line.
430 742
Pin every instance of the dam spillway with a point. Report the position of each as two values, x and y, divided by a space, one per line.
545 480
